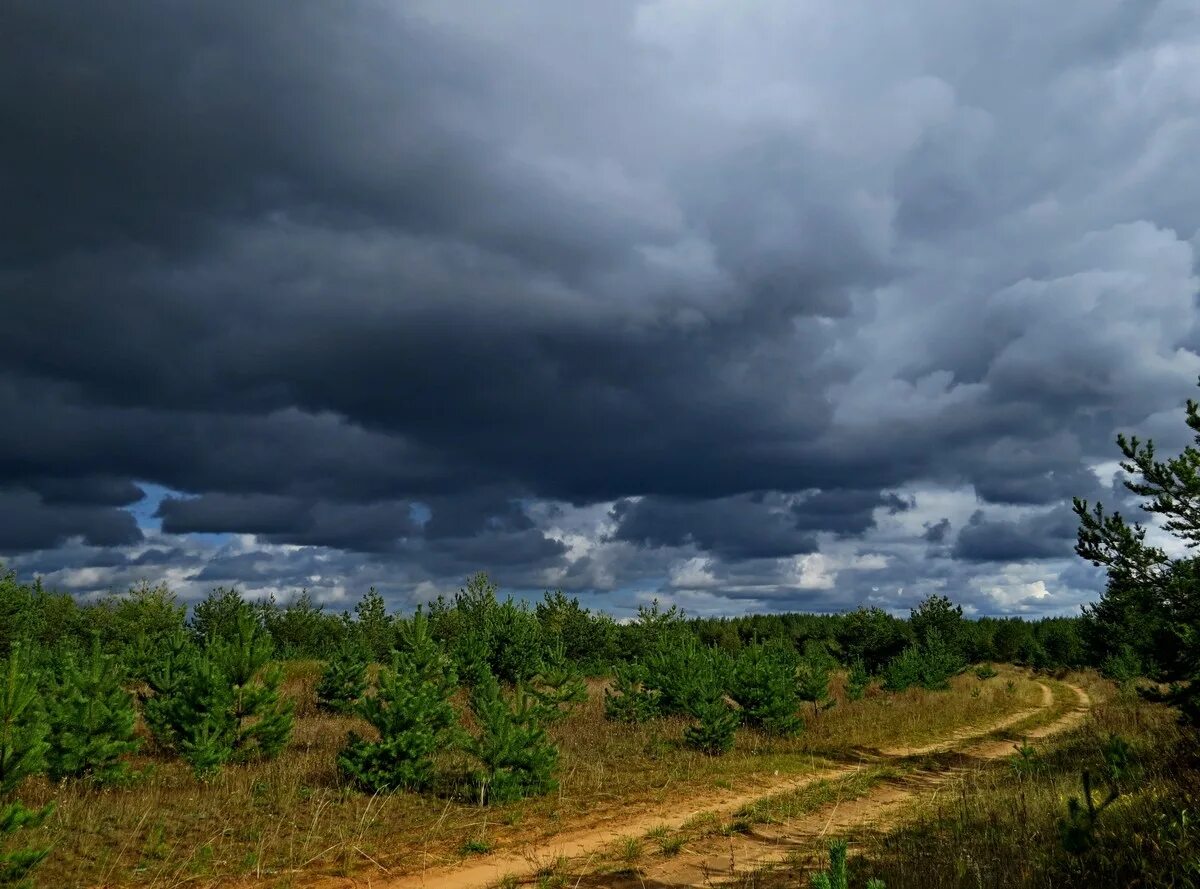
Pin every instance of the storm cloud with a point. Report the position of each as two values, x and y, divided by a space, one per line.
770 306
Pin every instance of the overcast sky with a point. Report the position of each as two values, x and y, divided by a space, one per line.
747 306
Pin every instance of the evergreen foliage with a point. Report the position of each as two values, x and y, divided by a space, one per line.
376 630
262 720
812 677
683 672
835 876
344 680
930 665
633 701
1151 604
558 686
764 686
517 755
23 748
716 726
411 711
857 680
91 719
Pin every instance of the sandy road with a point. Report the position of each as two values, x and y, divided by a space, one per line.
720 858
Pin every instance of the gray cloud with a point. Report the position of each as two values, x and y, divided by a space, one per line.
410 288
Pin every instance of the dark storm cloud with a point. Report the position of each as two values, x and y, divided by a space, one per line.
377 281
1044 535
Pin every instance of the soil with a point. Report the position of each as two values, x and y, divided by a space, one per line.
717 859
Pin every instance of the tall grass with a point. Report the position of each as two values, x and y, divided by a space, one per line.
297 814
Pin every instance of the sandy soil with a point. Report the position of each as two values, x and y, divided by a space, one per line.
717 859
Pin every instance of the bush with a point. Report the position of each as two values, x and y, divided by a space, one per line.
91 719
835 876
716 729
985 672
683 672
764 686
857 680
344 679
22 753
558 686
632 702
517 755
930 665
413 714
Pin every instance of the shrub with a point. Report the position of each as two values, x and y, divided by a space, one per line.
985 671
764 686
91 719
558 686
835 876
632 702
344 679
22 753
716 729
930 665
517 755
857 680
411 711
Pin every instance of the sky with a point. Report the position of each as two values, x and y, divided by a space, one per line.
785 305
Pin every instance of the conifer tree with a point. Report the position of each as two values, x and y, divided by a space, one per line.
857 680
517 755
683 672
632 701
716 725
764 687
812 677
190 710
344 680
22 753
412 712
262 721
558 685
91 719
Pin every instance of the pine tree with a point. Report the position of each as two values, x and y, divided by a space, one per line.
764 687
683 672
190 711
262 720
375 626
857 680
558 685
716 729
413 713
835 877
812 677
517 755
632 701
91 719
344 680
22 753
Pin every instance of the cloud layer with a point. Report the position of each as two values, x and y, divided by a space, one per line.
790 305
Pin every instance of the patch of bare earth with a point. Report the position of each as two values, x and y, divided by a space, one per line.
715 858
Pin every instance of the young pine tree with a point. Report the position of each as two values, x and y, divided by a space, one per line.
91 719
22 753
716 725
835 877
558 686
344 680
857 680
517 755
262 721
764 687
812 677
632 701
411 711
190 709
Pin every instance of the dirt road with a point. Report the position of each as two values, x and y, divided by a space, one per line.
718 858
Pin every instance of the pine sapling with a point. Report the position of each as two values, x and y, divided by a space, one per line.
716 727
836 876
517 755
344 680
857 680
262 720
632 701
1078 830
764 688
22 753
558 686
91 720
413 713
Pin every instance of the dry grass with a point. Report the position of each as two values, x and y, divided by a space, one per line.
269 821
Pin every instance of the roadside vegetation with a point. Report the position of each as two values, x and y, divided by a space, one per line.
141 742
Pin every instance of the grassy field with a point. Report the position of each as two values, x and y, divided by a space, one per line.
281 821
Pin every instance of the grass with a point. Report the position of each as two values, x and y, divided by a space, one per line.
270 821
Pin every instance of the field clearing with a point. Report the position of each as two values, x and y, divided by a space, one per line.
282 822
